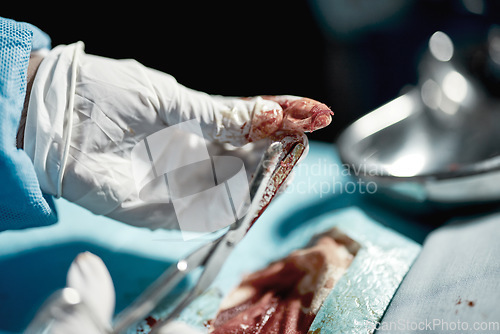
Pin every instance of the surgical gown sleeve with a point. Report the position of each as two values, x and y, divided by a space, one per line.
22 203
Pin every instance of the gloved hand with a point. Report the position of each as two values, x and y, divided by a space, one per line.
121 110
238 121
87 304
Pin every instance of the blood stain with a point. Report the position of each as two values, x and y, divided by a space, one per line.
151 321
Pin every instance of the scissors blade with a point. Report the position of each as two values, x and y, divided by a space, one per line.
213 254
268 185
222 247
161 287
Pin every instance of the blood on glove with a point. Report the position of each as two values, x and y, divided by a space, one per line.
297 115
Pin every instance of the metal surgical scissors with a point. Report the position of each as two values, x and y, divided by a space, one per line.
274 168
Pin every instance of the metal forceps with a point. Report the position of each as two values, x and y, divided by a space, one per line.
274 168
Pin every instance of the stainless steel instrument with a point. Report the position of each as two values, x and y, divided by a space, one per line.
272 172
439 142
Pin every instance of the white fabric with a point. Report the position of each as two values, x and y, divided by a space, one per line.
117 103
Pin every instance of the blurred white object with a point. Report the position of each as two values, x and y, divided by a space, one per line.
89 276
86 305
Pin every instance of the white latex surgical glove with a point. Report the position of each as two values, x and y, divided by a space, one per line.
87 304
105 134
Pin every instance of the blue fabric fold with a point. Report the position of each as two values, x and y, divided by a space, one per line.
22 203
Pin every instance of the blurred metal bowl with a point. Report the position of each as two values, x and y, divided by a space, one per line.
440 141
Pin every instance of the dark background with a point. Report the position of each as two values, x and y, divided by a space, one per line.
269 47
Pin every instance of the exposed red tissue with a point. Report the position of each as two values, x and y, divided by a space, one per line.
296 114
285 297
306 115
